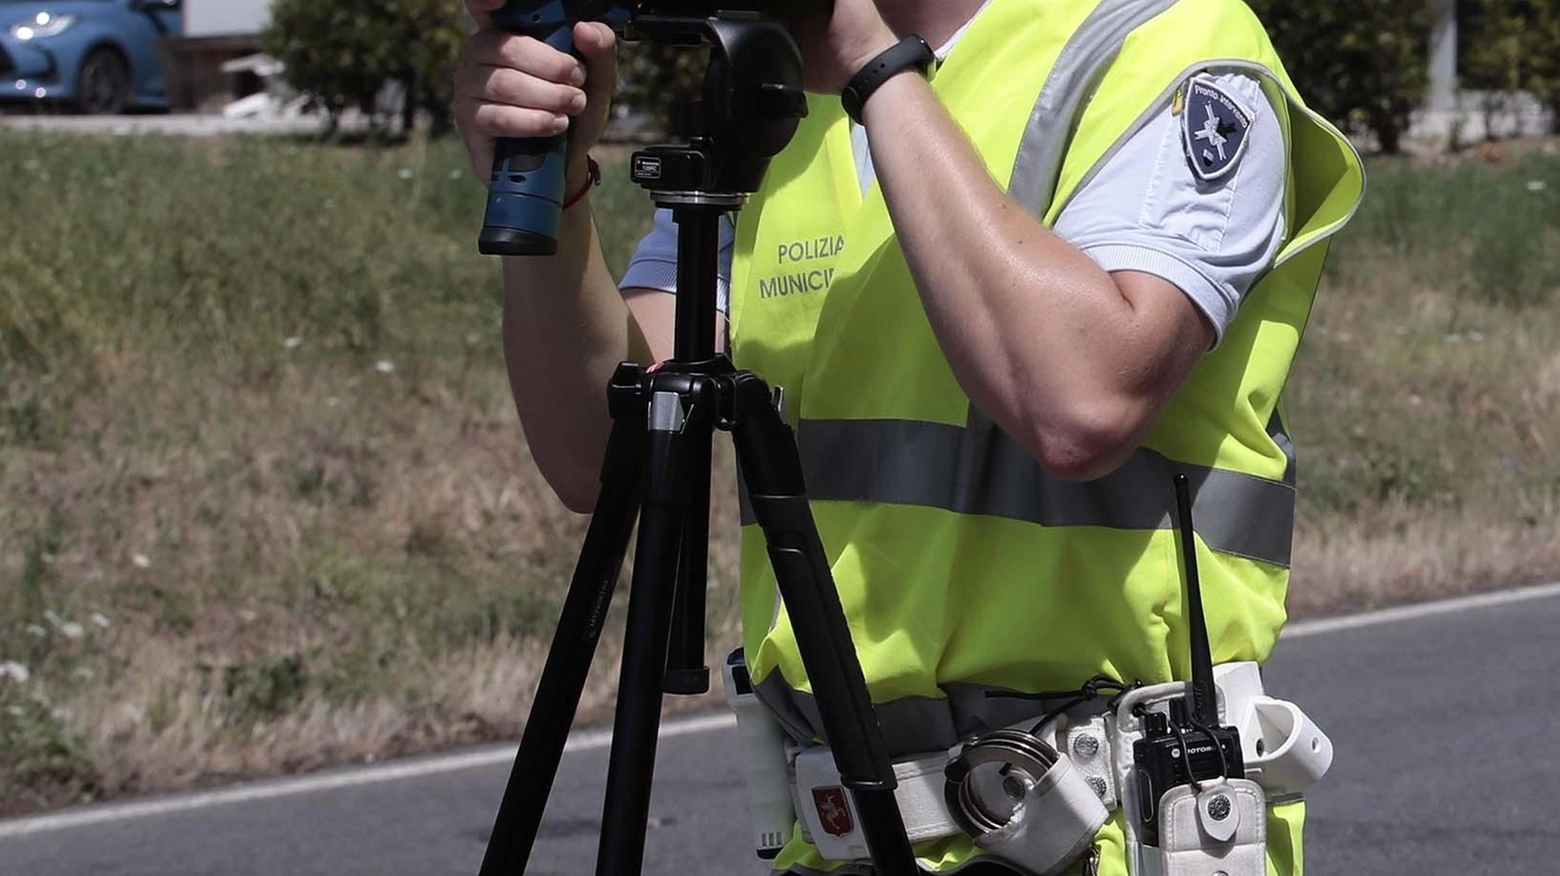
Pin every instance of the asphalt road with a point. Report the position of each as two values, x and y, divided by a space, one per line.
1445 723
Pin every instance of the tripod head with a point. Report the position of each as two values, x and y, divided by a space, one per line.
525 191
746 112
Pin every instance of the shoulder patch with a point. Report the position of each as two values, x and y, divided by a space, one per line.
1214 125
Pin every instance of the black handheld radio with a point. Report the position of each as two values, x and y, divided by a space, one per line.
1186 745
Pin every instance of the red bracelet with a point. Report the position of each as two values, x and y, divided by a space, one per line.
593 174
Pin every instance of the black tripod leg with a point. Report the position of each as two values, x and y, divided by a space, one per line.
698 248
772 469
574 644
674 436
686 672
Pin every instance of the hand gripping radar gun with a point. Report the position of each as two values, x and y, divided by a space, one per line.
525 192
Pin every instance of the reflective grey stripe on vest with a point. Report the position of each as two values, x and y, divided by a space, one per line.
978 469
909 724
1090 50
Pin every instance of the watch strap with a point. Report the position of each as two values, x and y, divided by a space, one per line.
912 51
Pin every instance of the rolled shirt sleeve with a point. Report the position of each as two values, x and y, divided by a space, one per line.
1146 210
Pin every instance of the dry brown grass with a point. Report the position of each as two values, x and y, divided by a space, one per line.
366 568
1426 403
1394 553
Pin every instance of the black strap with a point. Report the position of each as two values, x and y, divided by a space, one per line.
912 51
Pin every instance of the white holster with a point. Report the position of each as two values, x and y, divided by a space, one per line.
765 751
1284 750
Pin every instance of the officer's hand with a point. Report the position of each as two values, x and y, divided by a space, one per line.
835 47
517 86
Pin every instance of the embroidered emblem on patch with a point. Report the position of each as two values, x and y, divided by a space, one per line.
833 810
1214 126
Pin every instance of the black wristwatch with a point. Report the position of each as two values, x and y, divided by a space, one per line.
912 51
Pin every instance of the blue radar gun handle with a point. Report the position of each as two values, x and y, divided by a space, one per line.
525 193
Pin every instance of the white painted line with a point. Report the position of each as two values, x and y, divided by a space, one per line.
598 739
269 790
1322 626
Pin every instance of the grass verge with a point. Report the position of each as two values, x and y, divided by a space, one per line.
268 508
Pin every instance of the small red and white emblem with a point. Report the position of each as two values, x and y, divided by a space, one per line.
833 810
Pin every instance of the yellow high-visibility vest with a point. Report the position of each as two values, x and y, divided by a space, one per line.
961 565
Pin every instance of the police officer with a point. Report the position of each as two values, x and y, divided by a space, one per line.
1058 251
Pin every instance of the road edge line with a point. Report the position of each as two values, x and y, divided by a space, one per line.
351 777
1325 625
591 740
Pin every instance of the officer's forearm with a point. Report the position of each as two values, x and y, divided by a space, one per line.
1073 362
565 329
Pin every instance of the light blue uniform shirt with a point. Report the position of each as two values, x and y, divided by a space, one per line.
1144 211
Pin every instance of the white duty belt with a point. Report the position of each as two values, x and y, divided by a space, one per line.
1037 816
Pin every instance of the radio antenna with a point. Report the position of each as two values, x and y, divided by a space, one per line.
1204 702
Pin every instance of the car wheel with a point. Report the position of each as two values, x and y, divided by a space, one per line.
103 87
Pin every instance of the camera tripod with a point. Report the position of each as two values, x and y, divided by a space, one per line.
658 457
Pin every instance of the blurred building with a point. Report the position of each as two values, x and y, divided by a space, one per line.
215 33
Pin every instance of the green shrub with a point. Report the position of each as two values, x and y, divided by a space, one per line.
1363 64
345 51
1543 47
1511 45
1492 45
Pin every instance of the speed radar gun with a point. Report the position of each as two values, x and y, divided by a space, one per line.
657 465
525 190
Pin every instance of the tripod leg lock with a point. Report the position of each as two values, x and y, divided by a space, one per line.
624 401
666 413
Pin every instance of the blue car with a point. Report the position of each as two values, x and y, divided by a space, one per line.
95 56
